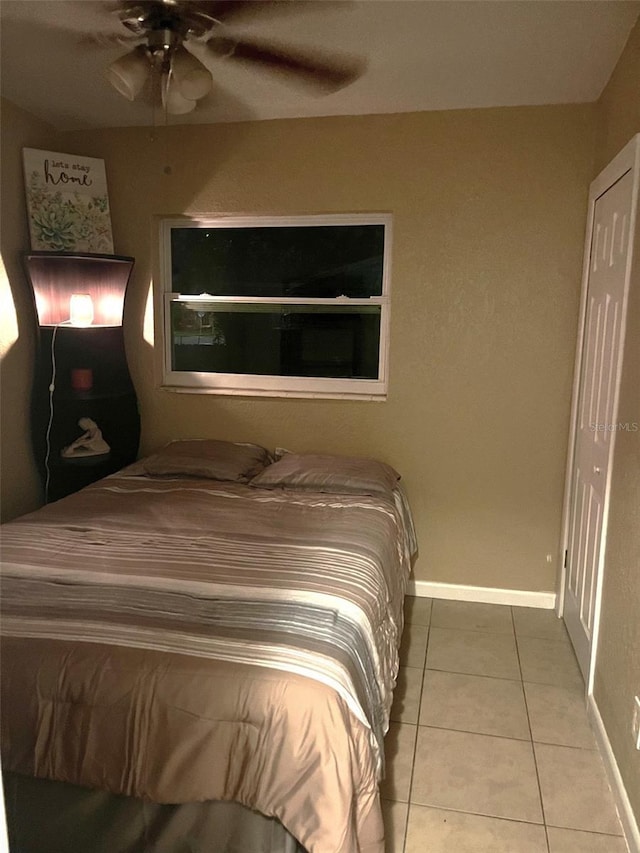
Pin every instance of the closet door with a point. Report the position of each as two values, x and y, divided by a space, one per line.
607 283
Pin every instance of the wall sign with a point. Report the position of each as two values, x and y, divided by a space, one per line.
67 202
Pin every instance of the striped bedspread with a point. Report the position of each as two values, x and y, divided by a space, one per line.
301 582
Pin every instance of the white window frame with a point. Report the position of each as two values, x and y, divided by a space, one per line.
241 384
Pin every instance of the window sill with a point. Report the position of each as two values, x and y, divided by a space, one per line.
300 395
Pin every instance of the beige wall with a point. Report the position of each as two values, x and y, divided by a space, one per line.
489 213
618 664
19 484
619 104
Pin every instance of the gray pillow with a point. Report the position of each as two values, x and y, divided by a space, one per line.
333 474
208 458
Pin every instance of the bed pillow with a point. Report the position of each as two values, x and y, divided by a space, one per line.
208 458
334 474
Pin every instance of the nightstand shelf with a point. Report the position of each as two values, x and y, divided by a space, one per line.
81 372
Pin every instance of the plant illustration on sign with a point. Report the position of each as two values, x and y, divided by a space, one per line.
67 202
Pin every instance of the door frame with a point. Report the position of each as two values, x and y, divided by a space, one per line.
626 160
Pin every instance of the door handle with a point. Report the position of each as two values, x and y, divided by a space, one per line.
596 469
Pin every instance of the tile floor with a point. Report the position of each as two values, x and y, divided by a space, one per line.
489 749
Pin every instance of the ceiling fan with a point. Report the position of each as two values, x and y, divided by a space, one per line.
163 32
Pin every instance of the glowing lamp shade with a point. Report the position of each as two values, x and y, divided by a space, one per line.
190 76
129 73
173 100
81 309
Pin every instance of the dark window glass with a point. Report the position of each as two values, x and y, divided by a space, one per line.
319 261
301 340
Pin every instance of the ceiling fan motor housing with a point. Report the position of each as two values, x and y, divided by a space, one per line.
162 28
161 43
182 19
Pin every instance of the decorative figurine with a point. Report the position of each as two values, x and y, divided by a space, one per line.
90 444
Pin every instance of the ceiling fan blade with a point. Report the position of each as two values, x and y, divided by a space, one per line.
109 40
228 11
328 73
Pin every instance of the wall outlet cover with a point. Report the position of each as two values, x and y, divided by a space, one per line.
635 727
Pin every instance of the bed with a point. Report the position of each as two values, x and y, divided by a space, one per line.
207 627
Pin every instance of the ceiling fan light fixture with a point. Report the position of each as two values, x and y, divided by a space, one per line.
129 73
190 76
173 100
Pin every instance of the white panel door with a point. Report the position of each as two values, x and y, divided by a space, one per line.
597 409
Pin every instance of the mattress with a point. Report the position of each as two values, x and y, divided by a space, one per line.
181 640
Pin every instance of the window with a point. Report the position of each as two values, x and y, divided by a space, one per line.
277 306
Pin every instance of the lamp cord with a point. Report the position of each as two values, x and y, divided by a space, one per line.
52 388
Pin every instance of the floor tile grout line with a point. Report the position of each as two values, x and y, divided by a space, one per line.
528 739
473 630
518 637
504 819
415 743
419 726
472 674
407 624
476 674
588 831
566 746
522 633
494 677
402 658
520 821
472 732
494 817
533 749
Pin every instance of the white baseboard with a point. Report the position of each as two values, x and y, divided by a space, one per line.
482 594
625 812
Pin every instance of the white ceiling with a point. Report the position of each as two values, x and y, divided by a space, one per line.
421 55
